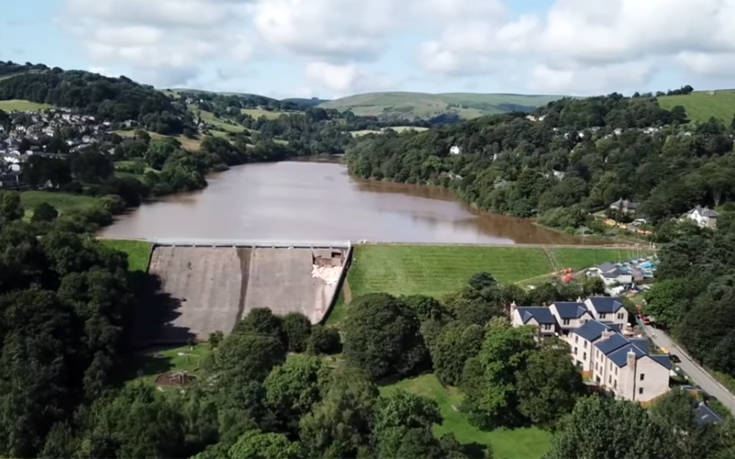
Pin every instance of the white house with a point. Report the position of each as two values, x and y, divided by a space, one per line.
609 310
581 341
625 368
611 274
570 314
625 206
455 150
537 316
703 217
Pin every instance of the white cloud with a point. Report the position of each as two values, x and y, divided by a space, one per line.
339 78
164 42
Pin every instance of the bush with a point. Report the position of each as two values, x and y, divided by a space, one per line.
324 340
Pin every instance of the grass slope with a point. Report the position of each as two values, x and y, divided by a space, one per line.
438 270
152 363
701 105
138 252
525 443
257 113
424 105
61 201
20 105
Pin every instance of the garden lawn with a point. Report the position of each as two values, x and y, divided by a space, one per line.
523 443
20 105
438 270
580 258
139 252
61 201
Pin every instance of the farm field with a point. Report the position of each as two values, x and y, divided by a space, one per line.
139 252
61 201
424 105
701 105
398 129
521 443
186 143
20 105
257 113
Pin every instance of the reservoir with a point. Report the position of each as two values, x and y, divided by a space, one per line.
319 201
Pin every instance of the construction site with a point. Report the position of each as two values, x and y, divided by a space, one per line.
196 289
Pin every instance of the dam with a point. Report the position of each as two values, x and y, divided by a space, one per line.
199 287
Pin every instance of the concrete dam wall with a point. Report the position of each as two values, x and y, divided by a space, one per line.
197 290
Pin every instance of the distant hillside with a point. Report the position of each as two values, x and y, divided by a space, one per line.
701 105
424 105
114 99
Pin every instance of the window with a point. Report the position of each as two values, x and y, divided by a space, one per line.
602 315
566 321
585 344
584 355
615 384
616 370
642 376
620 315
609 379
575 350
640 390
576 338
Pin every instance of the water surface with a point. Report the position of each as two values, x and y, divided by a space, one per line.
318 201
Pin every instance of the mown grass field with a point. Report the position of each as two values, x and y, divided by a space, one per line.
398 129
61 201
525 443
186 143
139 252
701 105
438 270
20 105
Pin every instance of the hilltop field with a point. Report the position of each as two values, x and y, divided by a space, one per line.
423 105
701 105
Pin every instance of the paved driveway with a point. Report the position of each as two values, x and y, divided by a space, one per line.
697 374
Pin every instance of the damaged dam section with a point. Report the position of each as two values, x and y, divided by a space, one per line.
196 289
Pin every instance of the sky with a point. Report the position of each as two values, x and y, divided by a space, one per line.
333 48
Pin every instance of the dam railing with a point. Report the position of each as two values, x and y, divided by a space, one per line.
261 243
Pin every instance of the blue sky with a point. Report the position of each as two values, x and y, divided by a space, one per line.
330 48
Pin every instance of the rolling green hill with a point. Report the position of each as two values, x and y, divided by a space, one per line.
424 105
701 105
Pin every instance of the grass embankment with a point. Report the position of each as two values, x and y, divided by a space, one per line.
187 144
702 105
20 105
440 270
138 252
61 201
505 443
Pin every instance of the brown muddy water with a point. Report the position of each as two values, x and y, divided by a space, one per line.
319 201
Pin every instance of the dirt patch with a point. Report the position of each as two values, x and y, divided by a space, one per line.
175 379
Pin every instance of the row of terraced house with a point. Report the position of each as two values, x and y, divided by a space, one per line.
602 345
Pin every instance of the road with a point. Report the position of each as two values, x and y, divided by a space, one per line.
697 374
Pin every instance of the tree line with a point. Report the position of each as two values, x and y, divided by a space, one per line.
575 156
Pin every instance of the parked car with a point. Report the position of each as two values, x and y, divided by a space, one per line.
674 358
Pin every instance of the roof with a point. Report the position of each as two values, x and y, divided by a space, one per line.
620 356
605 305
641 343
704 415
606 267
664 360
704 212
591 330
540 313
570 309
611 344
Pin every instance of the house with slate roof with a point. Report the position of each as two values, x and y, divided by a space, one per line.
538 316
607 309
703 217
570 314
622 366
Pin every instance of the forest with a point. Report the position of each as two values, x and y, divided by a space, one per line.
569 159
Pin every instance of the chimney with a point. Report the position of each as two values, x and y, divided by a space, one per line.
579 299
513 307
632 371
609 333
